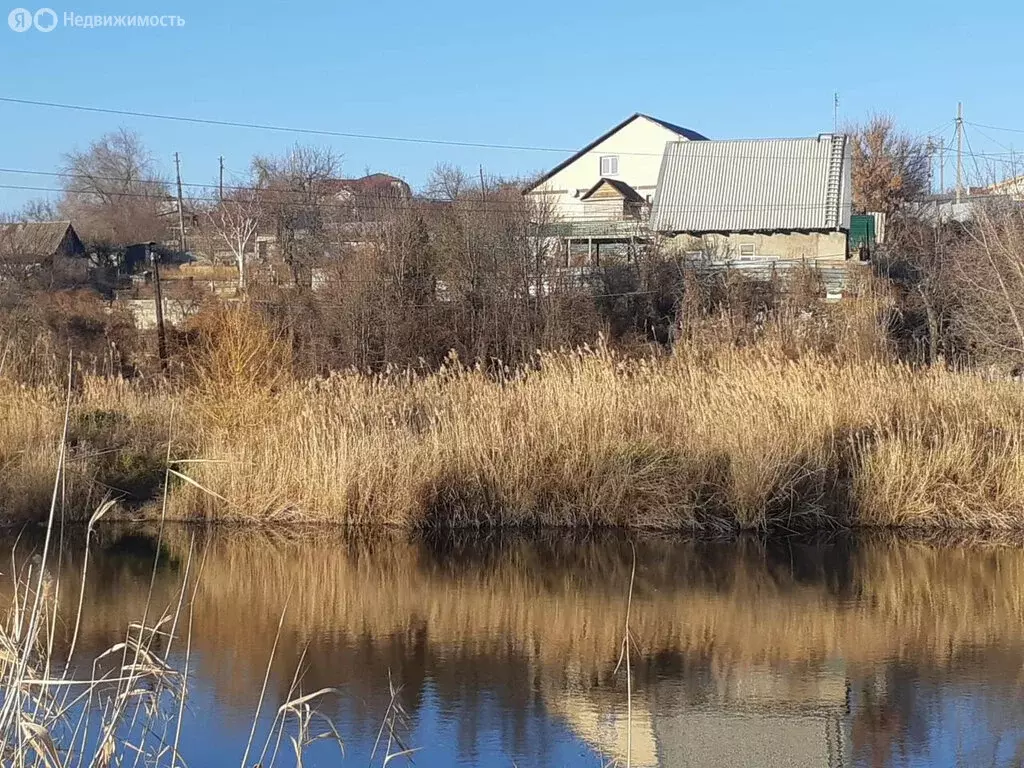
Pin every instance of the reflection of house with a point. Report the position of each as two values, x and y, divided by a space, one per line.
597 196
756 717
759 717
757 739
51 250
762 199
603 724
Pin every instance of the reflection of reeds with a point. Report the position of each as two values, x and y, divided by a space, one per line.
559 606
738 438
546 614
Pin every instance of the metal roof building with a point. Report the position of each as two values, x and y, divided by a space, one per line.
757 185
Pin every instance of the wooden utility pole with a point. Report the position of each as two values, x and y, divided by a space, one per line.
222 178
959 150
161 338
181 208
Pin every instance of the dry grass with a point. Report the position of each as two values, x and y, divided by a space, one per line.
764 437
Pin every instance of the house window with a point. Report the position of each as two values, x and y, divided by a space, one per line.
609 165
746 250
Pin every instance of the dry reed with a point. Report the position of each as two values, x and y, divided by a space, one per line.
706 439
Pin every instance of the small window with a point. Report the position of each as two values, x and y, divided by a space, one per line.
746 250
609 165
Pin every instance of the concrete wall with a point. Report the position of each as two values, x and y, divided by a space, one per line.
791 246
176 311
639 147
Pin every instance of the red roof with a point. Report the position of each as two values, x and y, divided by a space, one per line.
376 184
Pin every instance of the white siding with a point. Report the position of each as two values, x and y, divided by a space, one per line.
639 145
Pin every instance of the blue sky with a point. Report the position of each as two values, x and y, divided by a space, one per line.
546 74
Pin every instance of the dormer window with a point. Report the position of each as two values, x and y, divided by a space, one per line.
610 165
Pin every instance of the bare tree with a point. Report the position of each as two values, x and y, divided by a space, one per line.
37 210
989 277
447 182
890 168
236 219
112 191
299 193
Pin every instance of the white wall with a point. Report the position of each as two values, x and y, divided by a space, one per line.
795 246
176 311
639 146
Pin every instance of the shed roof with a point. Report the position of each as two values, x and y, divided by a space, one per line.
625 191
36 239
754 185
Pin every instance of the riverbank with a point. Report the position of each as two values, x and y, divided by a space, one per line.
737 440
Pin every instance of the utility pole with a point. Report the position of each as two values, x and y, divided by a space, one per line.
959 150
483 187
161 339
835 112
222 178
930 148
942 167
181 211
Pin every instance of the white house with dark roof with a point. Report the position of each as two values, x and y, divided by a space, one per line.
600 193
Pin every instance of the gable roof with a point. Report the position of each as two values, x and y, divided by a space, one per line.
375 184
627 192
754 185
684 133
36 239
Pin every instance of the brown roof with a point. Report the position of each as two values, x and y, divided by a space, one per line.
376 184
37 239
628 193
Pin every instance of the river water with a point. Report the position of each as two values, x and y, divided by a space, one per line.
504 650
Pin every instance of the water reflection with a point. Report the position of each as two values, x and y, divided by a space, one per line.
843 652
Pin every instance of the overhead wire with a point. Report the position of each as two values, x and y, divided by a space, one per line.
337 134
474 207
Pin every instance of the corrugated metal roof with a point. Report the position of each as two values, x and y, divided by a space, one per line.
753 185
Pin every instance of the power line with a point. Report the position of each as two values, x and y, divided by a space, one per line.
463 207
340 134
970 151
1009 150
996 128
277 128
